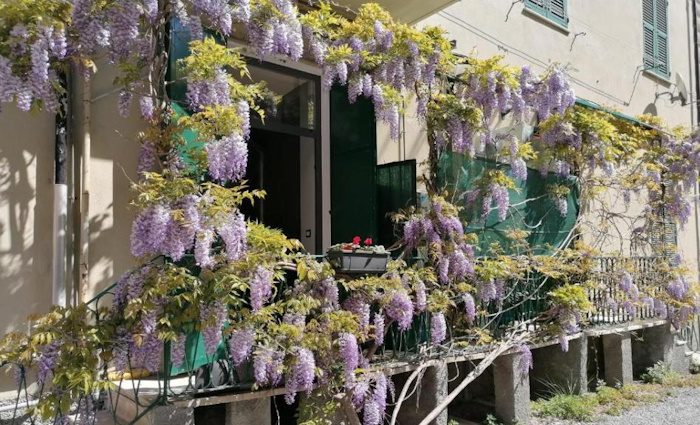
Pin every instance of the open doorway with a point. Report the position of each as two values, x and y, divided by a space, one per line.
285 155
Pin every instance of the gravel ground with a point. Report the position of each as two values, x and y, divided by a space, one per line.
683 408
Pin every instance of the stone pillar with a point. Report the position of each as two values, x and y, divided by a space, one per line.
430 392
653 345
249 412
617 355
512 390
561 370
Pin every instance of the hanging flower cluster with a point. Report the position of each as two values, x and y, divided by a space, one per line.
376 57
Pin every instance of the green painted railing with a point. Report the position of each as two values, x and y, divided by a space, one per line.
524 301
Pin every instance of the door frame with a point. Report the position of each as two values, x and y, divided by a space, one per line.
317 134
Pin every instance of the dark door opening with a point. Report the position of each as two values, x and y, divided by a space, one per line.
284 155
274 166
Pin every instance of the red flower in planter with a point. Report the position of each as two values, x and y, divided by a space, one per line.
368 241
356 240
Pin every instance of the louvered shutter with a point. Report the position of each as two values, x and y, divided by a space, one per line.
663 236
662 36
539 6
649 34
655 27
553 10
557 11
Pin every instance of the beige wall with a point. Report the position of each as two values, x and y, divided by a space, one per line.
604 65
26 202
26 205
114 161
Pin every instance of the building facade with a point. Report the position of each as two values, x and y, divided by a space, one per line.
628 55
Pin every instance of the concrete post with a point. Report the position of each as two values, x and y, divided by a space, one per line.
431 391
617 355
555 369
653 345
512 390
659 339
249 412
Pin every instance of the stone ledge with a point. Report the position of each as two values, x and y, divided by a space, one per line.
149 388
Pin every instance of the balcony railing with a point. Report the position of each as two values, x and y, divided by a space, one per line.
524 302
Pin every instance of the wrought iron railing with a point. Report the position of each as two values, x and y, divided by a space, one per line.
524 301
606 295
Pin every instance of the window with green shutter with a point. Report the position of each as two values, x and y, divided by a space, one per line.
552 10
655 17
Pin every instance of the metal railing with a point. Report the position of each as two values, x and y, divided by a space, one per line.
524 301
607 296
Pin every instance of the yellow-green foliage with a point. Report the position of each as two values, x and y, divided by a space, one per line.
573 297
76 370
564 406
31 14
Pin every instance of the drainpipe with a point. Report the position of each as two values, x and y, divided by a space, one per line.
697 118
83 197
60 198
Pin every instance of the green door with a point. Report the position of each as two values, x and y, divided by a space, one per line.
353 168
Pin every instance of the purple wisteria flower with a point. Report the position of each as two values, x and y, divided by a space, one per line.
214 315
267 367
359 308
438 328
678 288
260 283
227 158
469 307
202 248
421 297
563 342
349 353
370 413
46 362
149 230
301 374
400 309
177 350
241 345
626 282
525 362
233 232
378 328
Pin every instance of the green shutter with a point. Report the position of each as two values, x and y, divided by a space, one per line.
396 190
553 10
557 11
655 27
663 234
353 167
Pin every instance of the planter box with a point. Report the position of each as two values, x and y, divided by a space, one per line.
358 261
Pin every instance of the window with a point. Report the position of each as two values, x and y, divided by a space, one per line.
552 10
655 29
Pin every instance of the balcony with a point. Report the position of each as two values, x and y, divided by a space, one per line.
213 380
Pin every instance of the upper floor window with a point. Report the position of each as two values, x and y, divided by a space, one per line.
655 17
553 10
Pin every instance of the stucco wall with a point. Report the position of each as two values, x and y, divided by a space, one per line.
26 204
114 161
26 199
602 50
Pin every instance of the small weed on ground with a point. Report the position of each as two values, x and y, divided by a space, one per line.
565 406
659 381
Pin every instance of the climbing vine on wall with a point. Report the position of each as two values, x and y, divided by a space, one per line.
204 267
